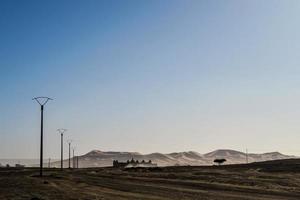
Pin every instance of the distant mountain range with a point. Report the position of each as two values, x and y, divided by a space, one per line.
98 158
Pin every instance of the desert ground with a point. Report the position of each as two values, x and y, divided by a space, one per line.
260 181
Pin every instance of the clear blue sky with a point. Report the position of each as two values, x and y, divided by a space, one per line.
150 76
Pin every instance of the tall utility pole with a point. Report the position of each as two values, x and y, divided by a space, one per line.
247 156
42 101
69 142
77 162
49 163
73 159
61 131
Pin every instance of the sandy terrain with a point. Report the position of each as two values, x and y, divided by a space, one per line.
269 180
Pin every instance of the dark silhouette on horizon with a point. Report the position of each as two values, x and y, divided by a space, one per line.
220 161
118 164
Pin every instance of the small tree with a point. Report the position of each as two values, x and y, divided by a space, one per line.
220 161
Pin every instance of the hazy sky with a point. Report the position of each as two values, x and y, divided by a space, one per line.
150 76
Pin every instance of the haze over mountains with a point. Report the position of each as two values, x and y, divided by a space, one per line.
98 158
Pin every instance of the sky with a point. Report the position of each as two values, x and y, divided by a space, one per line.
150 76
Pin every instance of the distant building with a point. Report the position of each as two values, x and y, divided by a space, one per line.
133 163
20 166
118 164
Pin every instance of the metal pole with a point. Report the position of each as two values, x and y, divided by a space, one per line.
73 160
49 163
41 150
69 155
247 156
61 151
61 131
77 162
42 103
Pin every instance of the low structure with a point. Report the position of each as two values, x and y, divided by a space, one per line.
20 166
118 164
133 163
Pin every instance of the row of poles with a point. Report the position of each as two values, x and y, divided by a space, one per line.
75 162
42 101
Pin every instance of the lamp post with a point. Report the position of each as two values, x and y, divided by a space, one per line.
42 101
